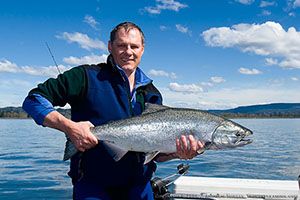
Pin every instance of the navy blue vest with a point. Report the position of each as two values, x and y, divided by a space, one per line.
108 99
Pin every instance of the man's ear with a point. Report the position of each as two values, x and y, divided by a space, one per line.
143 48
109 46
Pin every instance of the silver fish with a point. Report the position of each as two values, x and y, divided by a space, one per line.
158 128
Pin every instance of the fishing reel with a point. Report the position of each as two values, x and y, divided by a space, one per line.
160 186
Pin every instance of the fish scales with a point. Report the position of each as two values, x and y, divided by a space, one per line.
165 125
158 128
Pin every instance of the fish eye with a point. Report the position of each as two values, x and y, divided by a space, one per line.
207 144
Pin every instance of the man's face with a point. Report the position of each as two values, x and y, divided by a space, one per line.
127 49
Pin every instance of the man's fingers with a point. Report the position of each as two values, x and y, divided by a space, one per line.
94 140
193 146
184 144
188 147
200 145
80 147
178 145
200 148
90 142
87 143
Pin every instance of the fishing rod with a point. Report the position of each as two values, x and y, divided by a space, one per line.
160 186
53 58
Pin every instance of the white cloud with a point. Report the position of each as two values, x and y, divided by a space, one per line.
165 5
207 84
266 13
83 40
295 79
246 2
213 80
267 3
162 73
13 91
276 82
158 73
296 3
7 66
271 61
50 71
290 63
162 28
91 59
181 28
243 70
14 83
292 14
173 75
153 10
268 39
231 97
217 79
91 21
185 89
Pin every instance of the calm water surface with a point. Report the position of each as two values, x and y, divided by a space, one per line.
31 165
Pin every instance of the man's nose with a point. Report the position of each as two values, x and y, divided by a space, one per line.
128 50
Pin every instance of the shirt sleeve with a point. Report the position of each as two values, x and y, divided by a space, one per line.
69 87
37 107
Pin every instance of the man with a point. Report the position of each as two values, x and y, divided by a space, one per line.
97 94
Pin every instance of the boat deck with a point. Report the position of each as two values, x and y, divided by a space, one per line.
231 188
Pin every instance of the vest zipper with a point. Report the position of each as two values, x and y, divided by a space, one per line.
128 93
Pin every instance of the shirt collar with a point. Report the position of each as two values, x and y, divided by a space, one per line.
141 78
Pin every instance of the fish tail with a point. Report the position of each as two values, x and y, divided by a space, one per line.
70 150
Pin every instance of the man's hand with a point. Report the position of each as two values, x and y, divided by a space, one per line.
81 135
185 151
78 132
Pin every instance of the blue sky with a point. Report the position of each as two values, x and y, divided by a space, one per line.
207 54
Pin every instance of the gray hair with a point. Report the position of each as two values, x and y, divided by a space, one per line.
127 26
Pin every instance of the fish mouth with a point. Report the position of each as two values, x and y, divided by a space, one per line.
242 140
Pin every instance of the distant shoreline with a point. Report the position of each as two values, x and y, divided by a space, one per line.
273 110
23 115
258 116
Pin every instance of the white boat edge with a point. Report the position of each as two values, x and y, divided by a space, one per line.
234 188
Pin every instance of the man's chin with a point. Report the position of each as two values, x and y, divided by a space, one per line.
128 67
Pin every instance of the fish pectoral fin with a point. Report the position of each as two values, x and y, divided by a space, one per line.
115 151
149 156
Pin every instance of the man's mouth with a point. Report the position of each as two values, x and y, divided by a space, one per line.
125 60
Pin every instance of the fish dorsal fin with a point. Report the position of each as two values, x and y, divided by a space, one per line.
152 108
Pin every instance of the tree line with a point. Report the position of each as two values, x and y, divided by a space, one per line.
20 114
260 115
66 112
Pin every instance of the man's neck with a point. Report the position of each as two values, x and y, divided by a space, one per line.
131 79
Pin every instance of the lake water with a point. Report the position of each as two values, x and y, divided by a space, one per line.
31 165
